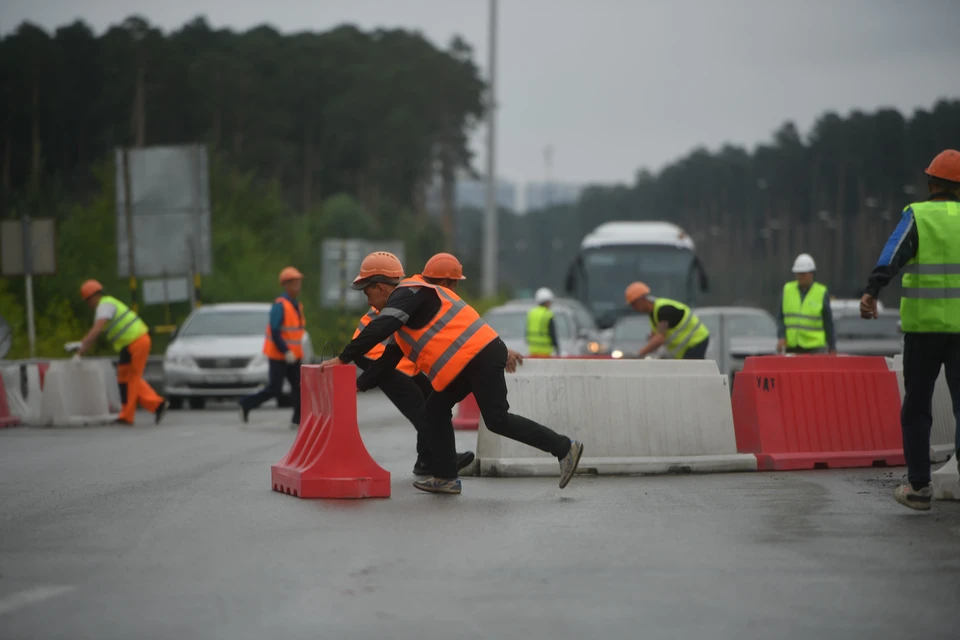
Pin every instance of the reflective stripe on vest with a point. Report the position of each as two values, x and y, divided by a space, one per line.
449 342
291 331
539 341
930 300
688 333
803 318
405 366
126 325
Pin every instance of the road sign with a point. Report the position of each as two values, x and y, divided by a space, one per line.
43 247
341 258
166 290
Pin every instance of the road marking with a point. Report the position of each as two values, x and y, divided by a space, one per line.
28 597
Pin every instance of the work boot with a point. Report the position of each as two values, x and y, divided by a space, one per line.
424 468
161 412
910 497
439 485
569 462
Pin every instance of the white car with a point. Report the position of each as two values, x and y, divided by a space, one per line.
217 354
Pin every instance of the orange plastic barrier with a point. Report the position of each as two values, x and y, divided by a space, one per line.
817 412
468 415
328 458
6 420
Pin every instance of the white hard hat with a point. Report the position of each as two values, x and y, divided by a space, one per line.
543 295
804 264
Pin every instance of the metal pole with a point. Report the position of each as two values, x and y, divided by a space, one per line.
28 277
342 320
128 215
490 218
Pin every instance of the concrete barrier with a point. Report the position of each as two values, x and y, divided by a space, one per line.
74 394
635 416
943 434
22 384
112 387
945 481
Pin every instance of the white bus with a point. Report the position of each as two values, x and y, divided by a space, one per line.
615 254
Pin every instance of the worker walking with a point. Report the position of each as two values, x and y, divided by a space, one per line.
673 324
804 319
924 246
457 351
407 388
130 337
283 347
541 329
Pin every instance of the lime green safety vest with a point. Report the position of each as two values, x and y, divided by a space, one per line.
803 319
538 331
126 325
930 301
688 333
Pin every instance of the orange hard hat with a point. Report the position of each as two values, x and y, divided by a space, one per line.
635 291
290 273
379 266
945 166
443 266
90 288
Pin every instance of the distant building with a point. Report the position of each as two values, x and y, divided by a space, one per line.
472 194
540 195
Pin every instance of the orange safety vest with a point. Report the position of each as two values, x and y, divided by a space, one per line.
405 366
291 331
446 344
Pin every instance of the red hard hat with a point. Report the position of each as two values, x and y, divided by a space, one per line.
443 266
290 273
945 166
635 291
90 288
379 263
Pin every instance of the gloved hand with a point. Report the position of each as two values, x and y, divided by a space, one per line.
73 346
290 357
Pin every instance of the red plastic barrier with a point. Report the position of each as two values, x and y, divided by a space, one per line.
468 415
6 420
818 412
328 458
583 357
42 368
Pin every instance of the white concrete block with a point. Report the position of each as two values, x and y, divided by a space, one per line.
943 432
945 481
74 394
640 416
110 384
26 407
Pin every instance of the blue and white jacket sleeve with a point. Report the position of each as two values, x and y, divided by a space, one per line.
901 247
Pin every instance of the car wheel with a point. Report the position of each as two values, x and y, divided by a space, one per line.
176 402
198 403
284 402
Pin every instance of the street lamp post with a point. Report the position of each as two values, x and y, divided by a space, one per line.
490 217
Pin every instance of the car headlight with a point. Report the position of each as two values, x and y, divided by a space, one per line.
258 362
181 360
616 353
594 347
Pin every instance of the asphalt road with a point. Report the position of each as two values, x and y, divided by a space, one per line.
173 532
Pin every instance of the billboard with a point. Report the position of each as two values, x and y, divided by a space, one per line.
340 263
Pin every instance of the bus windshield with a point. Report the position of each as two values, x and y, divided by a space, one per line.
667 270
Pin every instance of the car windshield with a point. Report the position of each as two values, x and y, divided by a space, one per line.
855 327
740 325
631 329
226 323
512 323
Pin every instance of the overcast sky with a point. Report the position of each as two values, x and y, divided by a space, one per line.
616 85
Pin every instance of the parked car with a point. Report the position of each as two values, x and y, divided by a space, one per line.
217 354
880 336
576 329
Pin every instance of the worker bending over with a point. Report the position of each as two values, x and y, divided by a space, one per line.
673 324
459 353
130 337
541 329
925 247
805 321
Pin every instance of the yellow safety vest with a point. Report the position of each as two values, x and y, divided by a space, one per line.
538 331
803 320
126 325
688 333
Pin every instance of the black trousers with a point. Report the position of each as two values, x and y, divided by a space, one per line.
923 355
409 396
279 369
698 351
484 377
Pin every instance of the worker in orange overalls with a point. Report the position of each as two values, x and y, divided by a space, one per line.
130 337
457 351
283 346
407 388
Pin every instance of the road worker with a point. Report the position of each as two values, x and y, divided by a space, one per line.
924 247
673 324
541 329
804 319
283 346
407 388
130 337
456 350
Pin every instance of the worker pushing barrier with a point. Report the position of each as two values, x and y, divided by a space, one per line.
457 351
673 324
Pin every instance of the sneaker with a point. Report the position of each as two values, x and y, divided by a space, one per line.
161 412
244 414
439 485
910 497
123 422
423 468
294 426
569 462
